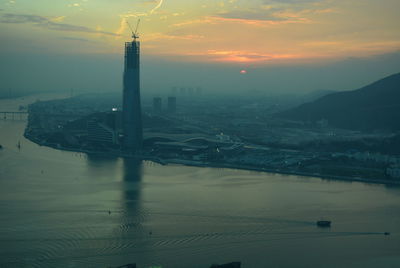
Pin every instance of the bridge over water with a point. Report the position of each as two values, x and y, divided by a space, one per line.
13 115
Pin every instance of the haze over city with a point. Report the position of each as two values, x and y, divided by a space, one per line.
286 46
204 134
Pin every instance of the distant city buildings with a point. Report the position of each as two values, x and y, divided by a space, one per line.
157 105
199 91
393 171
172 104
187 91
159 109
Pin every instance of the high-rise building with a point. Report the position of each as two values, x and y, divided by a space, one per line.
131 110
157 105
172 104
199 91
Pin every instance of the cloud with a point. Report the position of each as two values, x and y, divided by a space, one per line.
124 17
152 2
248 18
144 14
282 11
74 5
250 15
205 20
277 20
58 19
266 15
156 7
298 6
78 4
48 23
290 1
75 39
170 36
246 56
242 56
122 27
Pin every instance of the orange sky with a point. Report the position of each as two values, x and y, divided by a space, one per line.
234 31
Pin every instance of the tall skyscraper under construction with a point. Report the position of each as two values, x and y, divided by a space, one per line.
131 114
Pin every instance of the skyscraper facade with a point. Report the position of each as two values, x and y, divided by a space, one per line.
131 114
172 104
157 105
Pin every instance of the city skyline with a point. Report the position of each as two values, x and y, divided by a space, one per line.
232 133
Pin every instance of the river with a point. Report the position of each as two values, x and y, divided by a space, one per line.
66 209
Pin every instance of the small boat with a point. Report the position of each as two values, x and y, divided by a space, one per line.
1 146
324 223
130 265
227 265
386 233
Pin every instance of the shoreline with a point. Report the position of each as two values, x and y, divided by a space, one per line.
110 153
283 172
214 165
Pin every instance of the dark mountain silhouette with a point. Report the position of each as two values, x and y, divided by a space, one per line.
374 107
314 95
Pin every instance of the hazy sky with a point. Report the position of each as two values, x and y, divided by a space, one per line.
274 39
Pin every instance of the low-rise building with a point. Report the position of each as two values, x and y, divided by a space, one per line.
393 172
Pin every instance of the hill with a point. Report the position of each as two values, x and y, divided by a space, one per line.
374 107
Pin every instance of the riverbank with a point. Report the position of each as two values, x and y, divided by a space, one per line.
164 161
283 172
220 211
113 153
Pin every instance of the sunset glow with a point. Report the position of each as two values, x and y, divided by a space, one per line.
234 31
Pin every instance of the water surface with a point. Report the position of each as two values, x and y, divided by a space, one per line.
66 209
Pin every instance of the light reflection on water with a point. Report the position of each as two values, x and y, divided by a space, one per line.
65 209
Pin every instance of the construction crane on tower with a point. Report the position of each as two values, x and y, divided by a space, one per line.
135 34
